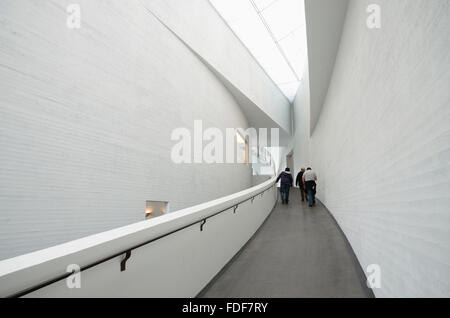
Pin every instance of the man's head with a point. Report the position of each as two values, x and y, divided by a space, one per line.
309 169
303 169
287 170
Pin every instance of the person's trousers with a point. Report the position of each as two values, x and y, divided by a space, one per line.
285 191
311 197
303 193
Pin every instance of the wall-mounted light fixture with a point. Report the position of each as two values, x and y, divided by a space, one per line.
156 208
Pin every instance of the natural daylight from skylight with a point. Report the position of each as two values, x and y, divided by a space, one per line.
274 32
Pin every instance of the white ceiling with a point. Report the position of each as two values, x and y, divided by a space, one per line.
274 32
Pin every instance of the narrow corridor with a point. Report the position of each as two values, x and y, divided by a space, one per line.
298 252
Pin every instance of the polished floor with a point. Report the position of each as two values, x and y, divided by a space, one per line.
298 252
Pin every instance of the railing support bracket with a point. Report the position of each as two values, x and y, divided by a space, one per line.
123 264
201 225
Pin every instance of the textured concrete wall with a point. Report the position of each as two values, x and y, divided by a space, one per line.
86 117
381 147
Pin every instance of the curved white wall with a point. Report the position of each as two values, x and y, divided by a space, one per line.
381 147
86 118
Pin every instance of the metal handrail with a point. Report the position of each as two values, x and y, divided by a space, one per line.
128 251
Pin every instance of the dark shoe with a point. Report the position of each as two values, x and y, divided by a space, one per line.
310 206
287 201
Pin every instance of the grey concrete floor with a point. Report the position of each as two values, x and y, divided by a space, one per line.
298 252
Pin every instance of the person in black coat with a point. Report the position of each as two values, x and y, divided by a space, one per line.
299 183
286 183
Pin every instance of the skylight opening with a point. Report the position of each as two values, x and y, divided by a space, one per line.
275 34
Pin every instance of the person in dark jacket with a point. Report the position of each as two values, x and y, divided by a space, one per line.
286 184
299 183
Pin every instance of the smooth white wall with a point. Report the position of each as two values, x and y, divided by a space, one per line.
198 23
301 114
324 21
381 147
86 118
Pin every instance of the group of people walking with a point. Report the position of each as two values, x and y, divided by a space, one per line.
306 181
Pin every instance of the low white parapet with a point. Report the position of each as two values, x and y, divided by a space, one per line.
175 255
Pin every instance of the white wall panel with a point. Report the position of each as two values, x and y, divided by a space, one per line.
381 147
197 22
324 22
86 117
301 114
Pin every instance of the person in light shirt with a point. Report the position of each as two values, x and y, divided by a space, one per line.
309 182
